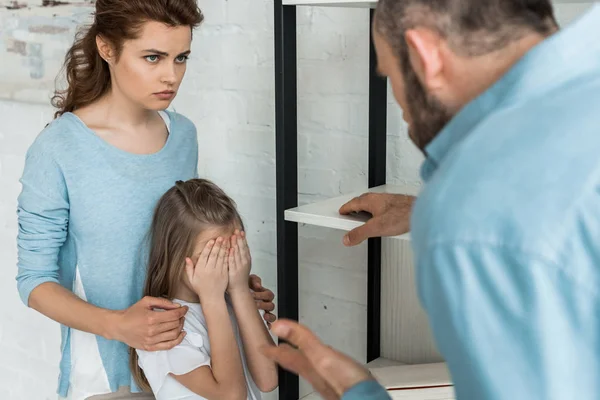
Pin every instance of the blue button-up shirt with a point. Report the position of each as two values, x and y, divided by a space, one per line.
506 231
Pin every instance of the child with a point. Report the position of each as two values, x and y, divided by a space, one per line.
199 258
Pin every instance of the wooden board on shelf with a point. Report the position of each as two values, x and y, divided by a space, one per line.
410 382
326 213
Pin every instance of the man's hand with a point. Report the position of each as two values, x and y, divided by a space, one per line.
264 298
391 216
142 328
330 372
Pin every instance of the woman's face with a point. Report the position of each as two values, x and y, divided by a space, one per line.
150 69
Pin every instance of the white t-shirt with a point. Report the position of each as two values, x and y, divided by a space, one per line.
192 353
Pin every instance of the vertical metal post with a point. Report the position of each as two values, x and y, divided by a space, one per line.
377 170
286 134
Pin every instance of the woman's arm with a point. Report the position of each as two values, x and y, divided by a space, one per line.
252 328
225 379
43 216
138 326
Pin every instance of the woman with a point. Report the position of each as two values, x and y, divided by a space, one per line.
90 183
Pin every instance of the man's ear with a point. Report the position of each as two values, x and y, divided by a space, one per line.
105 49
425 56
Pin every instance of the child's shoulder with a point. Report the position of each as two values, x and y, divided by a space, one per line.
194 320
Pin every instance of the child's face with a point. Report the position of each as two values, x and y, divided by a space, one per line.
211 234
206 236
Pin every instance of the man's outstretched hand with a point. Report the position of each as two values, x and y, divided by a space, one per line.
391 216
330 372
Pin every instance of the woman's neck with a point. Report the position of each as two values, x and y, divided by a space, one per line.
117 110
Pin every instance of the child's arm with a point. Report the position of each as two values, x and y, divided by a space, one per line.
252 328
225 379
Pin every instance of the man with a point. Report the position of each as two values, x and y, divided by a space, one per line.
506 230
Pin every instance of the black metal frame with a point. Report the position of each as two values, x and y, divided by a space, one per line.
377 170
286 148
286 127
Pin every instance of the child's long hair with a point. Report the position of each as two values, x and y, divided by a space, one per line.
182 213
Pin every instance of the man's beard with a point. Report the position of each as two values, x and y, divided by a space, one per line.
428 115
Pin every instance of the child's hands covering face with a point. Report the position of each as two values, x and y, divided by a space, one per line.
239 262
209 276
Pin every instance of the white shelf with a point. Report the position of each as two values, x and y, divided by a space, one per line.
410 382
326 213
373 3
332 3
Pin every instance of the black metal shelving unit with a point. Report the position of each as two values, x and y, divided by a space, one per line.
286 127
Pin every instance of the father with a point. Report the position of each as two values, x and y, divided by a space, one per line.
506 231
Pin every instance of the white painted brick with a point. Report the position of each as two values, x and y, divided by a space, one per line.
256 15
243 78
214 11
254 48
203 77
260 111
321 182
315 117
336 151
256 142
330 48
335 77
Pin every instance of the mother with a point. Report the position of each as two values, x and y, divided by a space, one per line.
90 183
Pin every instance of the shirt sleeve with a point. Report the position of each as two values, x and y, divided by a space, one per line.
42 213
508 322
183 358
367 390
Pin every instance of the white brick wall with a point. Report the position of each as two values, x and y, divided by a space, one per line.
228 93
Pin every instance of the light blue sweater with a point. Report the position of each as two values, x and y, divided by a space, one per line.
86 205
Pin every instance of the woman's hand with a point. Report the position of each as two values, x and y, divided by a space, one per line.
142 327
239 263
264 298
209 276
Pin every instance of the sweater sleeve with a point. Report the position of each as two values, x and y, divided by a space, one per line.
367 390
42 212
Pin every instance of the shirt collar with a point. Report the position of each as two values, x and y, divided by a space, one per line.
571 52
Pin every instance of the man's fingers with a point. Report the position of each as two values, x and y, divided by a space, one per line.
298 335
357 204
362 233
294 361
288 357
